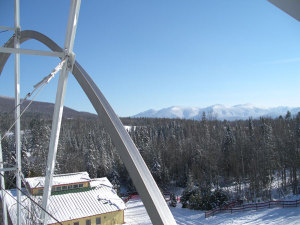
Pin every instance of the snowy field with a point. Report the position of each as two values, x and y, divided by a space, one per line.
136 214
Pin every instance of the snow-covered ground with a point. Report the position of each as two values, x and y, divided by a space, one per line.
136 214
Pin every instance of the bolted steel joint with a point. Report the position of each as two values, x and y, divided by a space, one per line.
70 61
18 33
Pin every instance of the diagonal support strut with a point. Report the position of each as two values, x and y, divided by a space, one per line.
152 198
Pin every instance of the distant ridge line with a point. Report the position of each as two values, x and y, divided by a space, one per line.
46 108
219 112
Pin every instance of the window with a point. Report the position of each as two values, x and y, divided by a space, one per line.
40 191
98 220
64 188
76 223
75 186
70 187
88 222
58 188
81 185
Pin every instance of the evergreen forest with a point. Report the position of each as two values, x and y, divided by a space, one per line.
249 158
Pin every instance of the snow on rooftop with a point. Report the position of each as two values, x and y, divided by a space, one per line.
59 179
130 128
101 198
98 182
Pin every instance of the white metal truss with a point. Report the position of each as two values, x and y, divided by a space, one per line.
15 49
59 103
291 7
2 183
151 196
7 28
31 52
17 109
141 176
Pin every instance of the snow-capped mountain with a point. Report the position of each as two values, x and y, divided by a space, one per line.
219 112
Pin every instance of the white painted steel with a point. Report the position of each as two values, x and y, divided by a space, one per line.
31 52
146 186
8 169
2 182
59 105
291 7
153 200
7 28
17 109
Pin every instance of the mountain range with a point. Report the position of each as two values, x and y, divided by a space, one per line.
220 112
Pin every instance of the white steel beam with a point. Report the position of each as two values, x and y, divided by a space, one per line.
4 208
59 103
7 28
17 109
7 169
153 200
291 7
31 52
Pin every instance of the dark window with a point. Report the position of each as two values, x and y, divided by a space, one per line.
58 188
98 220
75 186
64 188
80 185
70 187
76 223
88 222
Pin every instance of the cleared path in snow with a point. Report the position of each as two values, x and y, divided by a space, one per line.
136 214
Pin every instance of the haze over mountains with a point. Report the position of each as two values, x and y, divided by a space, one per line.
219 112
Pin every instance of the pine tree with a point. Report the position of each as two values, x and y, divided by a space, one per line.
188 191
92 156
40 136
173 201
295 155
228 145
267 158
26 159
288 115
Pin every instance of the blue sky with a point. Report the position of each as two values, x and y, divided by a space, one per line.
155 54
